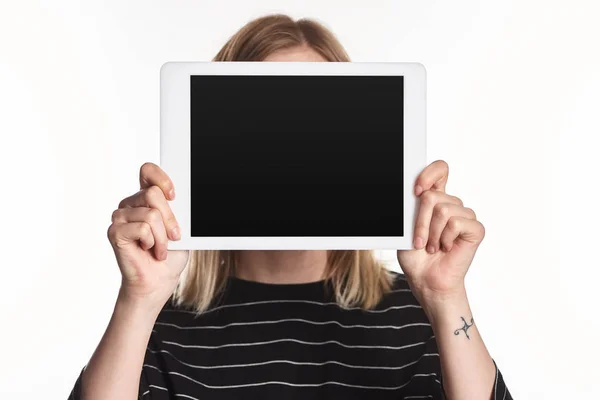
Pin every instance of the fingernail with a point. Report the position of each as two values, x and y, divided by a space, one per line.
418 242
418 190
430 249
172 194
176 233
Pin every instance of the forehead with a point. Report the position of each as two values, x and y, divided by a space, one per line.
298 53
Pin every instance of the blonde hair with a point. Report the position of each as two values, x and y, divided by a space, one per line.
358 278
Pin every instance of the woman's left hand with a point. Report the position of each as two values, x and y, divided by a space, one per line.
452 233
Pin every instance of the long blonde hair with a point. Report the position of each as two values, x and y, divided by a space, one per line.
358 278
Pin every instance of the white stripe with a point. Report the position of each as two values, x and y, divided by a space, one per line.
295 320
176 394
284 362
496 382
286 383
254 303
400 290
192 346
431 374
166 390
186 396
503 397
145 393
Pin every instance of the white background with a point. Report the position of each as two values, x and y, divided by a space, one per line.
513 105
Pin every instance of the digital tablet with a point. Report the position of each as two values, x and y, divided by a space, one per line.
293 155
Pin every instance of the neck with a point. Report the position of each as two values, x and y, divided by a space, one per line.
282 266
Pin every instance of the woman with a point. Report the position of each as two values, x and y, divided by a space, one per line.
290 324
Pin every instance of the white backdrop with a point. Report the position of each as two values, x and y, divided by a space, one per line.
513 103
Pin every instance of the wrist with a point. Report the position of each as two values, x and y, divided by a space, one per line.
440 307
142 310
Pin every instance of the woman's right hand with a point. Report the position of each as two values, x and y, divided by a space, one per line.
139 233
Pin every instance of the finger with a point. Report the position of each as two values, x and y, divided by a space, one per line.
152 175
468 229
433 177
442 212
122 235
153 197
151 216
428 200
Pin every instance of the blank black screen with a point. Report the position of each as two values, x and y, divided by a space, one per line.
296 155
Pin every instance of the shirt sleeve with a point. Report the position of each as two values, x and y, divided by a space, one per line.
76 391
143 393
500 391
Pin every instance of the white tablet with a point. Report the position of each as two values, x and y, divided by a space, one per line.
293 155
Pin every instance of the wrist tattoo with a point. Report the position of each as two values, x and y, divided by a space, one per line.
465 327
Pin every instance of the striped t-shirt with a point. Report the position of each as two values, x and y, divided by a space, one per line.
292 341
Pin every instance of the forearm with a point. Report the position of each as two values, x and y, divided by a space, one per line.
114 369
468 370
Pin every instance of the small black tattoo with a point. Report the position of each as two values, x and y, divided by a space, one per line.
464 328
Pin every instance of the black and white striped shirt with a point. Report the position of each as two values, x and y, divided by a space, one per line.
267 341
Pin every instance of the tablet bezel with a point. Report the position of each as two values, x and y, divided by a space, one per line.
175 151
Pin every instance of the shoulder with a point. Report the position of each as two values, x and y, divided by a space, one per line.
175 315
399 282
400 293
400 308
